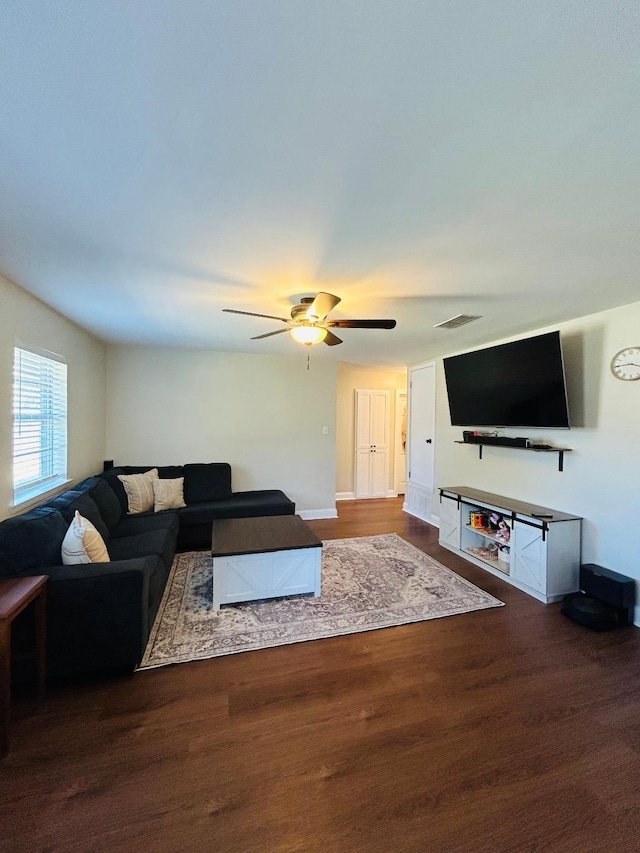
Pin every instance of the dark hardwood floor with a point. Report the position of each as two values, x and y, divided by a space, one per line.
511 729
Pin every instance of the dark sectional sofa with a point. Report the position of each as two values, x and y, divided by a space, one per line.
99 615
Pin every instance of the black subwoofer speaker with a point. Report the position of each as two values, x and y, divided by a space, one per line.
605 601
608 586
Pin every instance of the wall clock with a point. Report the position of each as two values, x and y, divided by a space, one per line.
626 364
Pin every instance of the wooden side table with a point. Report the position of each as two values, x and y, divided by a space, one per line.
15 595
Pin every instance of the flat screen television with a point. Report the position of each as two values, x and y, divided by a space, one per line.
518 384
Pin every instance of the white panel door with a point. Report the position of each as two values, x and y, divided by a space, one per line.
372 443
364 463
364 426
422 395
379 473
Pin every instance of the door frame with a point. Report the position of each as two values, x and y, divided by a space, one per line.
397 455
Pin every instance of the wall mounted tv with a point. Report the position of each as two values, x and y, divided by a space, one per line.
519 384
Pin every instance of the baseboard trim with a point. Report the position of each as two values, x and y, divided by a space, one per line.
351 496
312 514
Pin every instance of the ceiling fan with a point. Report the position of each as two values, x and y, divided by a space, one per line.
309 325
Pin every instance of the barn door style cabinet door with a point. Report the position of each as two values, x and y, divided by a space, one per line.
450 521
372 443
530 556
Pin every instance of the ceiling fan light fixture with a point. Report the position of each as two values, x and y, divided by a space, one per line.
310 324
308 334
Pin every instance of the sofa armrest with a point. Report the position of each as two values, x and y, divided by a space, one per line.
97 615
84 572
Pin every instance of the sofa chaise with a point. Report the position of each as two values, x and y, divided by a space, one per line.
100 614
208 495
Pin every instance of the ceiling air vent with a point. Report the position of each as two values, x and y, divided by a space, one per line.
458 320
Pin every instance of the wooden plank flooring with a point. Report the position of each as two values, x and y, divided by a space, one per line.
510 729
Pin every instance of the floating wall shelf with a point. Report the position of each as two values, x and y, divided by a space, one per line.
559 450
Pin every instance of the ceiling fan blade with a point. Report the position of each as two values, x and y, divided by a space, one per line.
362 324
331 339
321 305
251 314
268 334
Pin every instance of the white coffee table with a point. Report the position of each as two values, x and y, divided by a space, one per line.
265 557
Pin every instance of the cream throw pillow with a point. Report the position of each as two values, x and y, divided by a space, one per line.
139 489
83 544
168 494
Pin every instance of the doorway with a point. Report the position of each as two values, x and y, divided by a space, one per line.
400 444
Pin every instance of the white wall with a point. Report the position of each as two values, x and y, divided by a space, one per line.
26 320
601 478
262 414
351 377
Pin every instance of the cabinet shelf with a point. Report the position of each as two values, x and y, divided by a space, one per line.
559 450
490 561
488 534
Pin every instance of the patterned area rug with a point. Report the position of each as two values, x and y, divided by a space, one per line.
367 583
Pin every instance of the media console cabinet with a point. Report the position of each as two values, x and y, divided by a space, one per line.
542 557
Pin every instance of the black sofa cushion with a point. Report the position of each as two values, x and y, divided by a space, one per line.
159 543
106 501
145 522
241 505
168 472
32 540
157 546
210 481
61 502
73 500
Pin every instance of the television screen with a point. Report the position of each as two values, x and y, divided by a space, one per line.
519 384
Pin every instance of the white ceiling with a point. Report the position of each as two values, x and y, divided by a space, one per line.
163 159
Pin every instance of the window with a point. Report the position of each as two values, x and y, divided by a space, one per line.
39 423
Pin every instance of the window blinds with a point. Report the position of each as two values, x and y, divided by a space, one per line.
39 423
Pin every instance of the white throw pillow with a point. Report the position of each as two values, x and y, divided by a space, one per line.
139 489
168 494
83 544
